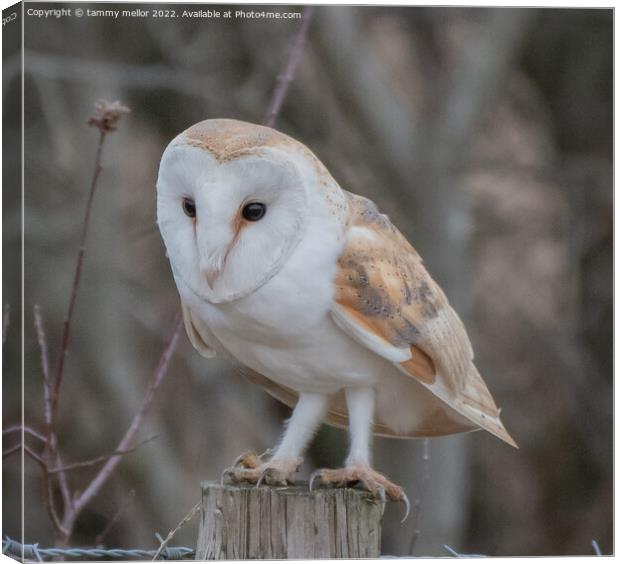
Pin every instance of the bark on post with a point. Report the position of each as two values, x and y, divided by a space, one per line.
245 522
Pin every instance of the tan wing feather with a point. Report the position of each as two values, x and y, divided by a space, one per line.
383 288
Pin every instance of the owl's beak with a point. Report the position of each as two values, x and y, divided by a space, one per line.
216 264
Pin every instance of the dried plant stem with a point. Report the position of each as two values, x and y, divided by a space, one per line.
27 430
171 534
74 291
51 401
33 455
51 507
11 450
99 459
288 73
51 448
47 384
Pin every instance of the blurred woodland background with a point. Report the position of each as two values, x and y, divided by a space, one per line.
485 134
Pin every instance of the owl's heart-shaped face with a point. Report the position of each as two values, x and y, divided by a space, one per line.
228 223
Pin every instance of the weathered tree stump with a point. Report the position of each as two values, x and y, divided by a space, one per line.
245 522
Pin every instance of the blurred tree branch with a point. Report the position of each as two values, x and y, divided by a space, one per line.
424 155
472 84
288 72
147 77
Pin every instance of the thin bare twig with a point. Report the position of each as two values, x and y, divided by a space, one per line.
100 479
99 538
32 454
9 451
74 290
185 519
51 450
99 459
36 457
288 73
6 314
51 507
47 384
27 430
47 484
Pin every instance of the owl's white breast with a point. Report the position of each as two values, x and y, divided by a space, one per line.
284 329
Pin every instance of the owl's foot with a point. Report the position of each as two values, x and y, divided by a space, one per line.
377 484
249 468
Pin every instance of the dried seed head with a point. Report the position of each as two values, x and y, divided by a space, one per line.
107 115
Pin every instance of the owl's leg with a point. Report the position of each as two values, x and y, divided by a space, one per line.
360 404
361 407
279 470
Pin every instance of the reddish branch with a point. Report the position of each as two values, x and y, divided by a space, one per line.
98 459
34 456
47 385
27 430
50 451
11 450
66 334
287 75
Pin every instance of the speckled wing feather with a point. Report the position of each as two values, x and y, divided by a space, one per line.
386 300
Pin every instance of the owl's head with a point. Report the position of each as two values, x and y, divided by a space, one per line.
233 200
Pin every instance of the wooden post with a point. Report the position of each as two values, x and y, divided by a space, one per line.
245 522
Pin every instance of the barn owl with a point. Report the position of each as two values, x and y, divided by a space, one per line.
316 297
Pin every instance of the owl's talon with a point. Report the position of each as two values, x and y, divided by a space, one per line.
382 497
261 478
404 499
248 459
268 476
227 473
378 485
316 474
248 468
381 494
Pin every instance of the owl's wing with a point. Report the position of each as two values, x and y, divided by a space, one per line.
198 333
386 300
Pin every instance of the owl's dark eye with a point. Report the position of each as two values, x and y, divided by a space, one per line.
189 207
254 211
